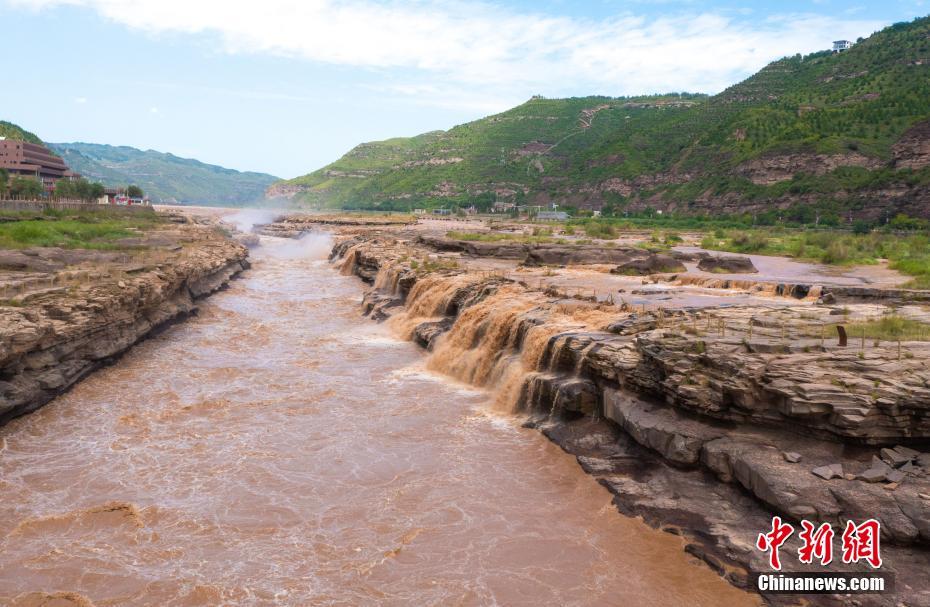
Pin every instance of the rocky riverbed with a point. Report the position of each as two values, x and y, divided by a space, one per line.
705 421
69 311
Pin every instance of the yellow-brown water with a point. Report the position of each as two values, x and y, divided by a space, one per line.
280 450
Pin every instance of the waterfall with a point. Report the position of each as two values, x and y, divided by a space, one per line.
504 338
387 278
349 260
429 299
499 343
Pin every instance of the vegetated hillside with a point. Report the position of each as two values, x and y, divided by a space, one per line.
8 130
826 135
164 177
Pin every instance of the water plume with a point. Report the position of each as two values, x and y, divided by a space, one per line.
312 245
246 219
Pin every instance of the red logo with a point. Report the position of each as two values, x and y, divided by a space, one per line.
773 540
860 542
817 543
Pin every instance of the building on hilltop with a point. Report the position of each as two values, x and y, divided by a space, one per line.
33 160
841 45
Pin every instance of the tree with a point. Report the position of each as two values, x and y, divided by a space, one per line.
96 190
26 187
860 226
4 181
79 188
82 189
65 189
134 191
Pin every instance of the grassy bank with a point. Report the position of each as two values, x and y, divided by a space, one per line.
70 229
539 236
890 328
909 254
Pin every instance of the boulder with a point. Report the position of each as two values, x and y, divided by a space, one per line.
877 473
895 458
565 255
655 263
727 265
895 476
426 333
911 454
829 472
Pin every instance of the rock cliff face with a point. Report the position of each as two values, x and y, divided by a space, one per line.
55 337
913 149
705 423
773 169
283 190
557 254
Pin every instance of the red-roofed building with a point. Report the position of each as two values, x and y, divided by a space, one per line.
33 160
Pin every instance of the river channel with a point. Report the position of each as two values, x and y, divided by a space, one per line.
279 449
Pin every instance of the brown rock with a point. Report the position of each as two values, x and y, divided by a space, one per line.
727 265
912 151
655 263
829 472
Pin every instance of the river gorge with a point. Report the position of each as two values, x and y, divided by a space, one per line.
280 449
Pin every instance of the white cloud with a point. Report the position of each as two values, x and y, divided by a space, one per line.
80 100
153 110
483 48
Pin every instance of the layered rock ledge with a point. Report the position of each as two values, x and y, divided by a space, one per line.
73 311
705 422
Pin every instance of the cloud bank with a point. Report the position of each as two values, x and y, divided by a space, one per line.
489 51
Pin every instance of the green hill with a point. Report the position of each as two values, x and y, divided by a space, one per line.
164 177
836 135
8 130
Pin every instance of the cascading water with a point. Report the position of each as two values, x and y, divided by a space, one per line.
429 299
498 343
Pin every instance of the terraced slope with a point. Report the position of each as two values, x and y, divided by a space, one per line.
840 135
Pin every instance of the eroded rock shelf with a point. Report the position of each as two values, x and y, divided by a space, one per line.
52 337
705 422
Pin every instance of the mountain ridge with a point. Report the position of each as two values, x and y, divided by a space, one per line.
164 176
822 134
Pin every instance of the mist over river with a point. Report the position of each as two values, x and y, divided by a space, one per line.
279 449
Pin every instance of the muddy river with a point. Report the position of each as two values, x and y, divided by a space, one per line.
279 449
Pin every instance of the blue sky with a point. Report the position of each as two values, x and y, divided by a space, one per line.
286 86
